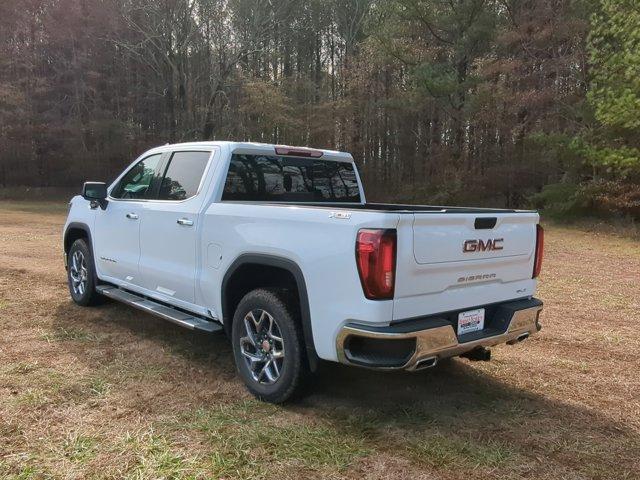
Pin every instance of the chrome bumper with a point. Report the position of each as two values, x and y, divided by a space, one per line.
433 344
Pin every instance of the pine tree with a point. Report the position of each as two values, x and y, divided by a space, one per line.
614 51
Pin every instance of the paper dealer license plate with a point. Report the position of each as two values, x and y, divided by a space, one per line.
470 321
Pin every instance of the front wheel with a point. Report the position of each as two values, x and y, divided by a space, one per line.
268 346
81 274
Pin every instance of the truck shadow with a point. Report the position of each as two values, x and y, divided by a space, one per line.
466 411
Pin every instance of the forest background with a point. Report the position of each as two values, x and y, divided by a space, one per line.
508 103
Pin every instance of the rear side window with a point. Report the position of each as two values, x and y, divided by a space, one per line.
140 181
183 175
290 179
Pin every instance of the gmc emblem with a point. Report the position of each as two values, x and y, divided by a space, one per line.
482 246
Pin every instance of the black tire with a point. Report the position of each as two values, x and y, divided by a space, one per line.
292 369
87 295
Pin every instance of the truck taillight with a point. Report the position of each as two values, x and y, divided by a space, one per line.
298 152
537 263
376 259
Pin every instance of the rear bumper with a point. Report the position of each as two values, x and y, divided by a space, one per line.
420 343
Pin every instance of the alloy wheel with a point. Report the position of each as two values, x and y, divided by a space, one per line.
262 346
78 273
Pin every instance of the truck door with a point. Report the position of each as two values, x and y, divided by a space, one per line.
170 227
117 228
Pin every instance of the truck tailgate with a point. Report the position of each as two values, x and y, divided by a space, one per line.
462 259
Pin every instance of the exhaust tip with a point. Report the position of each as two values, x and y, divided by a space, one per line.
426 363
518 339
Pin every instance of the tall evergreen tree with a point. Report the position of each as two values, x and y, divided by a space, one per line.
614 52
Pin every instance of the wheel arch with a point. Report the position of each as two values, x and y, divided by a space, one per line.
245 261
73 232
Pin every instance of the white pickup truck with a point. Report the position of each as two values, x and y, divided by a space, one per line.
277 247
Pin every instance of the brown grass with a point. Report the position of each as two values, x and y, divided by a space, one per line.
111 393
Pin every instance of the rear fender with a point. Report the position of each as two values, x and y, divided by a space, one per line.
296 272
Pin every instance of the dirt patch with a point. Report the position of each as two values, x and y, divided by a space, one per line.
110 392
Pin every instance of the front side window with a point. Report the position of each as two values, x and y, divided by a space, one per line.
290 179
183 175
138 183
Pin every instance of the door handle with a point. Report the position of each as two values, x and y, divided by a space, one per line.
185 221
132 216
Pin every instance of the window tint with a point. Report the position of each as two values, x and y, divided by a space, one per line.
183 175
139 181
273 178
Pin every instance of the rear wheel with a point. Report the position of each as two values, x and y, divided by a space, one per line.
268 346
81 274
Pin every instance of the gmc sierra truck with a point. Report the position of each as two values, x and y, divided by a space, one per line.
278 247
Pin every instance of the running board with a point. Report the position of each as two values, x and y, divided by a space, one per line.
159 310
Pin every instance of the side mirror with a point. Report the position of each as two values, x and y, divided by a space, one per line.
96 193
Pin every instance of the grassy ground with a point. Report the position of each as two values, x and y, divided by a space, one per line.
113 393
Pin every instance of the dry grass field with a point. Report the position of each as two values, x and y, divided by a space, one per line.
109 392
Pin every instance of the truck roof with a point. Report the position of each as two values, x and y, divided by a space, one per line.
256 148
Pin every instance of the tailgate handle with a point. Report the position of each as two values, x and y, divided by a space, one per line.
485 223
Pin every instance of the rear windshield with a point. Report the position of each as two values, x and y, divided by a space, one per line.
290 179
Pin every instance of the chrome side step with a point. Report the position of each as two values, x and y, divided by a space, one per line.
154 308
